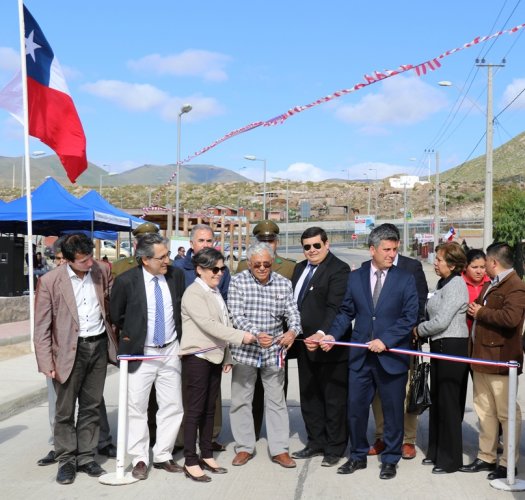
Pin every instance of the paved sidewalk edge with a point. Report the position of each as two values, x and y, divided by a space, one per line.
14 340
23 403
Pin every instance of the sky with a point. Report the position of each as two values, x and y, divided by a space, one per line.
131 65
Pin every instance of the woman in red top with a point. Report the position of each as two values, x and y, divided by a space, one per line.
474 276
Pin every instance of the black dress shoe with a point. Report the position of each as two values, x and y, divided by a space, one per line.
216 446
478 466
330 460
168 466
200 479
307 452
209 468
48 459
388 471
499 473
109 450
351 466
66 473
439 470
427 461
91 469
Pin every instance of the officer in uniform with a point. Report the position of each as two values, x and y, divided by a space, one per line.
126 263
267 231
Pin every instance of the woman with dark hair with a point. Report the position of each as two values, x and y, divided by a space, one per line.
448 334
475 276
207 331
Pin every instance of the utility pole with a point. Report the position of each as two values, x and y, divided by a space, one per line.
487 219
436 206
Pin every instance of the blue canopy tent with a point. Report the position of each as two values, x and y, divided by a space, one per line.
54 211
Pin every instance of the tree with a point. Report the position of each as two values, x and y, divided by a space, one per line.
509 222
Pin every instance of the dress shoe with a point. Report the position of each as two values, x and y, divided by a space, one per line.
66 473
478 466
109 450
213 470
140 471
242 458
388 471
351 466
200 479
499 473
439 470
48 459
330 460
91 469
427 461
284 460
377 448
306 452
408 451
168 466
216 446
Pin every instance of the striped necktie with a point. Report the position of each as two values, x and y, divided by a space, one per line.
159 334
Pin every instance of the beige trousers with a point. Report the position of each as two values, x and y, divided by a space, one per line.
491 394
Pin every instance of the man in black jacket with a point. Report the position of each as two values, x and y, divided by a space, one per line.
145 304
319 286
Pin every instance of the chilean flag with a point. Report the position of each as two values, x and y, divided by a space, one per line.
451 233
52 115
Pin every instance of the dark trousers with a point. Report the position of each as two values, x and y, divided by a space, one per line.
448 391
324 392
201 381
258 400
77 443
362 385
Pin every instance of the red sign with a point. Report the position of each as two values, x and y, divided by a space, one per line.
354 236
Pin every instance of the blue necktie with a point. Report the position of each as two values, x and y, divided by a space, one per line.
159 335
304 287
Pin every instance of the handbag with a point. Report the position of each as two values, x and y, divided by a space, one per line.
419 391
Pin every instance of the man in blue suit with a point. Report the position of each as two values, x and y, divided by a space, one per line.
383 301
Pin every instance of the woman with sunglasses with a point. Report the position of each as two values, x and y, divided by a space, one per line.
207 331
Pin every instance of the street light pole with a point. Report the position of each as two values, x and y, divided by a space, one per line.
368 184
375 189
254 158
436 206
287 211
186 108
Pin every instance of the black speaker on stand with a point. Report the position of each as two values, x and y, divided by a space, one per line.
12 279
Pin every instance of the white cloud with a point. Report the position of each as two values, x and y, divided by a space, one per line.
9 59
145 97
512 91
301 171
401 101
367 170
191 62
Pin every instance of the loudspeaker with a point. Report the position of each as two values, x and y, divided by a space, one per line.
12 279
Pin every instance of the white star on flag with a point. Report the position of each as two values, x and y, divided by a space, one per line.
31 46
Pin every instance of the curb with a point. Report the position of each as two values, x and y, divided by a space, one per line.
23 403
14 340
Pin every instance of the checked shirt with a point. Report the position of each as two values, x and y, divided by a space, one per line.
258 308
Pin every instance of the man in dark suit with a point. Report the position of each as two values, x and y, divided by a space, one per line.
408 450
73 342
319 286
383 301
146 306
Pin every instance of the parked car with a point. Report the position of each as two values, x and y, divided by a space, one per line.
126 245
228 251
109 249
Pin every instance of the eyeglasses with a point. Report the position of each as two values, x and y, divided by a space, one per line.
164 257
217 270
317 246
266 265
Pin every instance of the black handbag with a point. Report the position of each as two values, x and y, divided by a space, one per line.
419 391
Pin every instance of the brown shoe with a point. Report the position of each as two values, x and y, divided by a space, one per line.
284 460
140 471
242 458
377 448
408 451
168 465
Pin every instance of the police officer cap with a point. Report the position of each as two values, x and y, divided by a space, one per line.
147 227
266 230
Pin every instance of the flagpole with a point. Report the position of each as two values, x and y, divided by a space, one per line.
23 70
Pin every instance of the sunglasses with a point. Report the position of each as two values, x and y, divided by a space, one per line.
266 265
317 246
217 270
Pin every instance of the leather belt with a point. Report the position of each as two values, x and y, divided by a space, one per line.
160 346
93 338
